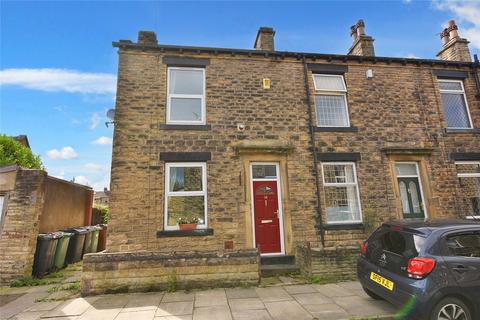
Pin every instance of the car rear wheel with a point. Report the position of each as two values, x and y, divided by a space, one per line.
451 309
371 294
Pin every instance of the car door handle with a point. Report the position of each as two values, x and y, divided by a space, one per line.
460 268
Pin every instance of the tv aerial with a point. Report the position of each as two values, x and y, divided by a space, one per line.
111 117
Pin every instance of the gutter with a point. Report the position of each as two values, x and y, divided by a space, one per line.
319 226
475 75
288 54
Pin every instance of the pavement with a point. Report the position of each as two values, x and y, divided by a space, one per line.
343 300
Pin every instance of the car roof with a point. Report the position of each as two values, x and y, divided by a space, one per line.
428 226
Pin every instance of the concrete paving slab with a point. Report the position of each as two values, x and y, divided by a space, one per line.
333 290
142 302
295 289
350 285
98 314
44 306
287 310
185 317
246 304
74 307
312 298
212 313
216 297
251 315
137 315
271 294
27 315
359 306
240 293
177 296
111 301
327 311
175 308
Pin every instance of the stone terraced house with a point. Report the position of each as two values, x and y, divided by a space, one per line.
287 159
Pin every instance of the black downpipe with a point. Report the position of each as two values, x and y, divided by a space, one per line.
314 150
475 74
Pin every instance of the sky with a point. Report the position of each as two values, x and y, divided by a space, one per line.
58 67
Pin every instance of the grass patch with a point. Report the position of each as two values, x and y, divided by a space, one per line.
32 282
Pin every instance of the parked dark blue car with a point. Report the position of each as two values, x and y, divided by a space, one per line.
429 269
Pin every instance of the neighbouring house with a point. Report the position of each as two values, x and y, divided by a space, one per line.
102 197
32 202
292 155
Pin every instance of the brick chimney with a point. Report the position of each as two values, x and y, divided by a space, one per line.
265 39
362 44
148 38
454 48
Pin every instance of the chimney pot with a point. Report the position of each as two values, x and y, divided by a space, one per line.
147 38
454 48
265 39
362 43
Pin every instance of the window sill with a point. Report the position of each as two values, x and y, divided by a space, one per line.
185 233
193 127
336 129
471 130
344 226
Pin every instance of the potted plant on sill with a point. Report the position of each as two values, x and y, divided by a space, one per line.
188 223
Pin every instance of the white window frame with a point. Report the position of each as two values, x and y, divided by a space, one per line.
343 184
343 92
169 193
417 175
462 92
468 175
202 121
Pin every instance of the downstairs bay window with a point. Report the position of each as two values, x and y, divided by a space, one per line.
185 194
468 173
342 200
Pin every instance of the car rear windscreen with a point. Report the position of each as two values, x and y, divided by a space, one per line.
391 249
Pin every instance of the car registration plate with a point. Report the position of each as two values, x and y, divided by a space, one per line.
381 281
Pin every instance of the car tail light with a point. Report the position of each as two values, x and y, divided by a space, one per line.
419 268
363 248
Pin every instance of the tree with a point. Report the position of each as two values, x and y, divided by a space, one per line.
13 152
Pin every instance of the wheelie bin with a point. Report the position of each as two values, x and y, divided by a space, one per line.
44 253
87 246
61 251
75 246
102 238
95 234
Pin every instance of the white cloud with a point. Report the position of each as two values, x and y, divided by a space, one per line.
52 80
81 180
94 120
93 167
101 182
412 56
466 13
58 173
66 153
102 141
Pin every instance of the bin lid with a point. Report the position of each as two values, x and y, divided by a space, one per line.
45 236
102 225
56 235
78 230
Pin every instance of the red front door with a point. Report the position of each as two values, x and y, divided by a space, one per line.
267 223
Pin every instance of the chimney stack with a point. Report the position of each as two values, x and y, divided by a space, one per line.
148 38
265 39
454 48
362 44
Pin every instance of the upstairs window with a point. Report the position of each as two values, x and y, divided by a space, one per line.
331 100
455 105
186 96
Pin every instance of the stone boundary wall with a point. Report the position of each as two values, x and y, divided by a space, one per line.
337 263
155 271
